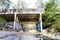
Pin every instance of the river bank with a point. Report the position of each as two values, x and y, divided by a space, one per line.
52 35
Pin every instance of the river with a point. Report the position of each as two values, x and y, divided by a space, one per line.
23 36
4 35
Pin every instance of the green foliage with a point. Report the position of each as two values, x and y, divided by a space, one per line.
51 5
5 4
51 16
56 24
2 20
51 8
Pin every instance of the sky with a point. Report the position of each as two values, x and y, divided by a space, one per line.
45 0
30 3
14 1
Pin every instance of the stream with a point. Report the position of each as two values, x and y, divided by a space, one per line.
23 36
15 37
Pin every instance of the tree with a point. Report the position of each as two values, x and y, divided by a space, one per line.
51 8
39 4
20 4
4 4
51 16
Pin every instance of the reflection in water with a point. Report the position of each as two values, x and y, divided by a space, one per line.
5 35
31 37
28 37
24 36
11 38
15 37
47 38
